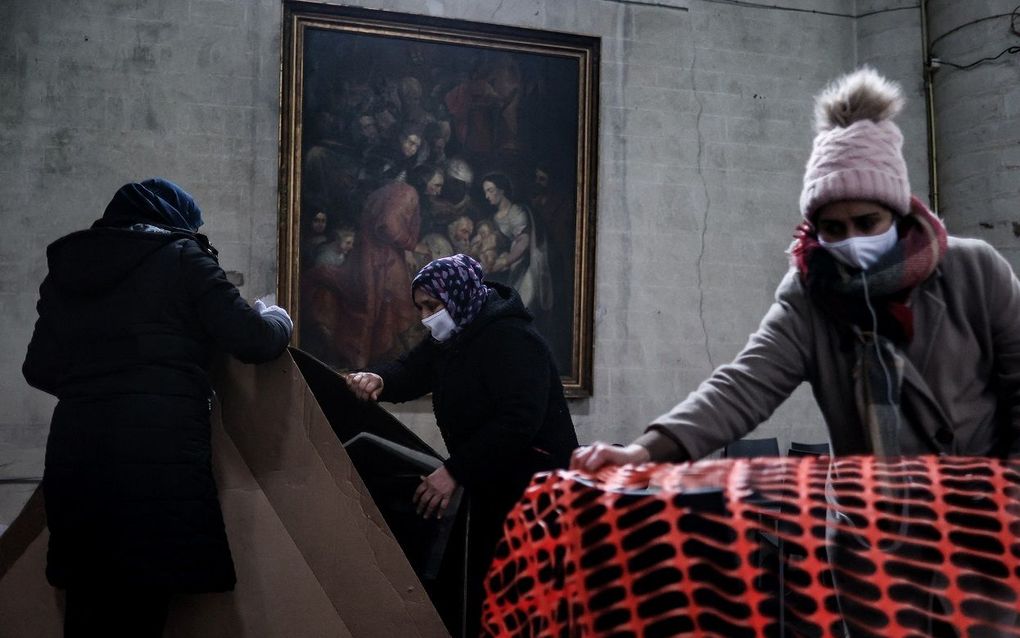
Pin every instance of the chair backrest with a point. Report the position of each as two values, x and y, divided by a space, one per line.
750 448
809 449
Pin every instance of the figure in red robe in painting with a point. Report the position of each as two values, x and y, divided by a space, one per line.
357 311
485 107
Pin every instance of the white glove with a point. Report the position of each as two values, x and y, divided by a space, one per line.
275 311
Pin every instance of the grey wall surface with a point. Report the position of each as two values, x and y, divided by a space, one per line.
977 121
96 94
706 111
889 39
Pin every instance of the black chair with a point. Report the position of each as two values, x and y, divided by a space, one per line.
752 448
392 473
809 449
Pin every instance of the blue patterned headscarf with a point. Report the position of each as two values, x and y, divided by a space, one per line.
457 282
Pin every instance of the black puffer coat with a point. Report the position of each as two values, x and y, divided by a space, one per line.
127 323
497 397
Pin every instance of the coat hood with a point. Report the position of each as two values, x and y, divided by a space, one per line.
95 260
503 303
154 201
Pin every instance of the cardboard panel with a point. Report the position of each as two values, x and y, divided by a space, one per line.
277 593
313 554
346 414
285 440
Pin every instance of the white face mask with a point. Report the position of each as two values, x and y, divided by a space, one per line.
862 252
440 324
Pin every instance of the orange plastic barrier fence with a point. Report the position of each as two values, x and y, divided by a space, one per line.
926 546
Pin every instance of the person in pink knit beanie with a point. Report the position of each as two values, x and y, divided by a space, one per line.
909 338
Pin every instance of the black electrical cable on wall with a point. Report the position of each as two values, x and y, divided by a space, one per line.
967 24
1014 17
964 67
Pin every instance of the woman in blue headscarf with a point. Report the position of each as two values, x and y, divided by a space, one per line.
129 316
496 394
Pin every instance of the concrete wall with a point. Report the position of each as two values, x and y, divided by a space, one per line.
891 42
96 94
978 122
705 127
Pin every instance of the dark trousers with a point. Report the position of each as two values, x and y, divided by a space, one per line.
114 612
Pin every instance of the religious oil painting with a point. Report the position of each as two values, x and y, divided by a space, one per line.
408 138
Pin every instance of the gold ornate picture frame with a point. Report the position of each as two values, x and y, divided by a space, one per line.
405 138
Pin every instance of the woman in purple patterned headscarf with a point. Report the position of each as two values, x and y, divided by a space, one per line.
455 283
496 394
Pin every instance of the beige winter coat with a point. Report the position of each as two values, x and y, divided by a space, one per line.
961 387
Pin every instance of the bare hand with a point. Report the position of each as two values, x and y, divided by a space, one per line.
434 493
589 458
367 386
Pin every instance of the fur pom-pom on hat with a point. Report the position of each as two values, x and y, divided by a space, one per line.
862 95
858 152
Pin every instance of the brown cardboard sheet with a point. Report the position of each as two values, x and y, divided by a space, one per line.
314 556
